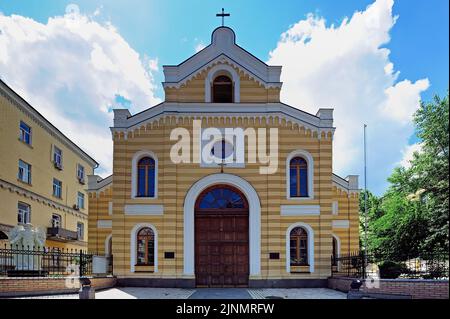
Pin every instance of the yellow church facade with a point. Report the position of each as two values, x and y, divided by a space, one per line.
223 185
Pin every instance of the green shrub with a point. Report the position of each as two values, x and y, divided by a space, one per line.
391 269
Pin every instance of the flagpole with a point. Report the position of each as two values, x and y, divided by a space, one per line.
365 191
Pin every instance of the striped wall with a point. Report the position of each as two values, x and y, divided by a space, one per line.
194 90
174 182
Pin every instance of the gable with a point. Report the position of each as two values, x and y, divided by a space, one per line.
223 50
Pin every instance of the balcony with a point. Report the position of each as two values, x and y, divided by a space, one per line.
61 234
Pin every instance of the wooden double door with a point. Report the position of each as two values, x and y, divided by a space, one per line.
221 238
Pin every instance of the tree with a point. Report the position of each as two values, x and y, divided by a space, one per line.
412 216
431 168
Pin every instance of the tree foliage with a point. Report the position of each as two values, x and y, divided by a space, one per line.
412 216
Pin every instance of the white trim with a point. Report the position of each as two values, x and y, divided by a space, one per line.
338 241
104 223
110 208
136 157
299 210
107 252
338 248
254 219
133 235
310 175
222 47
97 183
216 70
144 210
310 233
342 223
335 207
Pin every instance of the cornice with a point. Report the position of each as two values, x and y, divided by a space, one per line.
225 60
223 48
28 110
39 198
343 184
100 184
270 113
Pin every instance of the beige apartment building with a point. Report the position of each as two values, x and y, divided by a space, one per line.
42 175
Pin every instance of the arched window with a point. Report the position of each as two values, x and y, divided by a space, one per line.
298 177
335 251
299 247
220 198
145 248
222 90
146 177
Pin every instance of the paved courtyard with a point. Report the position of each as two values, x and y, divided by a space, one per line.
207 293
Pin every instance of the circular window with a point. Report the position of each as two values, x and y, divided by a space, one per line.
222 149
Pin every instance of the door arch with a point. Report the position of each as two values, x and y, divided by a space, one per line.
221 237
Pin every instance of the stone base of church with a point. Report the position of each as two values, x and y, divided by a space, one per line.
156 282
288 283
190 283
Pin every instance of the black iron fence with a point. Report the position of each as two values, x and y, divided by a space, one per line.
18 261
421 266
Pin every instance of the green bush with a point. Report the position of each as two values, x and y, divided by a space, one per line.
391 269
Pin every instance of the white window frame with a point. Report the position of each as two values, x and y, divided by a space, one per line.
23 212
80 230
310 233
56 222
223 69
23 133
310 178
133 245
80 168
80 200
134 172
57 158
56 187
25 168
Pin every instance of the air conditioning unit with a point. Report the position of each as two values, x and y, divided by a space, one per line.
81 180
58 165
75 206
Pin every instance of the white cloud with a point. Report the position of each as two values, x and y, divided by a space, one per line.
408 154
347 68
72 69
153 64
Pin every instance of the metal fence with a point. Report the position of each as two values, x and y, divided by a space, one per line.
18 261
421 266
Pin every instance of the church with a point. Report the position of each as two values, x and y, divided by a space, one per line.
222 184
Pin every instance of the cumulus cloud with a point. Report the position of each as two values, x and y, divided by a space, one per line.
408 154
347 67
74 70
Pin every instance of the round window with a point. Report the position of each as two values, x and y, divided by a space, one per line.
222 149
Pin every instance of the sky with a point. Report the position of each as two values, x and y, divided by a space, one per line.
372 61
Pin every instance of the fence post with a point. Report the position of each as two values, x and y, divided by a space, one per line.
81 263
364 265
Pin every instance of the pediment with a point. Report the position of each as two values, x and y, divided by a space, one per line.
222 50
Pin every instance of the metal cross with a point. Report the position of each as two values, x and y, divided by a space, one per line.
223 15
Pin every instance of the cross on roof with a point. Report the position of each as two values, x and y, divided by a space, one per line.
223 15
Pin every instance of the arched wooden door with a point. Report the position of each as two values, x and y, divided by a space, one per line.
221 238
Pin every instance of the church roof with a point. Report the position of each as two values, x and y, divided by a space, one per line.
223 49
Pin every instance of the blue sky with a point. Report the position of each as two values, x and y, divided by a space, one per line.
168 32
